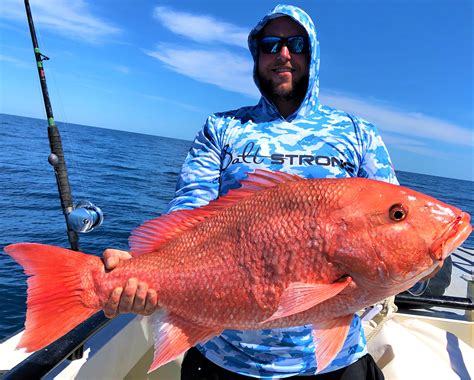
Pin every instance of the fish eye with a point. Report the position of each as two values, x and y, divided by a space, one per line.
398 212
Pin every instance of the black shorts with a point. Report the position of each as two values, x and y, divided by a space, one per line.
197 367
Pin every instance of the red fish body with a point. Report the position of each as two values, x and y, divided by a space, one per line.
281 251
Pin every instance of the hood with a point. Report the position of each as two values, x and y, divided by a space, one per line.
311 100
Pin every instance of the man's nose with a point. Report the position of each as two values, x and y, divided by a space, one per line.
284 53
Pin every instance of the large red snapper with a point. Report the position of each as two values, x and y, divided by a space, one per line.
280 251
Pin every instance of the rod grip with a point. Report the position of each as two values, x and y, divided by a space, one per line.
60 168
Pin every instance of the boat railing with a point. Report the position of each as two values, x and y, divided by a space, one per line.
43 361
407 301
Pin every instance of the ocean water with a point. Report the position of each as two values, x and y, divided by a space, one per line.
130 176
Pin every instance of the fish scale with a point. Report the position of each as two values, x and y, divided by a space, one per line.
280 251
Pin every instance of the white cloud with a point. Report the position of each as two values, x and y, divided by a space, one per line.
122 69
170 101
391 119
201 28
15 61
227 70
71 18
417 146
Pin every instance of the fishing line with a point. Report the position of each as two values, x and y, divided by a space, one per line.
72 162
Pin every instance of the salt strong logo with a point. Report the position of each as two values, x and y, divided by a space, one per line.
251 155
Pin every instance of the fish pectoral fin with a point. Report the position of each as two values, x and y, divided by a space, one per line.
329 337
301 296
174 336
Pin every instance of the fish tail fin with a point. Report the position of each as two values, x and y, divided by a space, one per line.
60 291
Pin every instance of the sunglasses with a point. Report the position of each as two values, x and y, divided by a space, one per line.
273 45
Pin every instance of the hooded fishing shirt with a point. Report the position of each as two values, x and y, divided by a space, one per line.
314 142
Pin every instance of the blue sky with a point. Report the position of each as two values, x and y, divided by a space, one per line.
160 67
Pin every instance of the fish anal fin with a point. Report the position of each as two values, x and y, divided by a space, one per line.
174 336
329 337
300 296
153 233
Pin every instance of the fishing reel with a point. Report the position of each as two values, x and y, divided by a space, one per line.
85 217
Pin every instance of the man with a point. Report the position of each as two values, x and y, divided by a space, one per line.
288 130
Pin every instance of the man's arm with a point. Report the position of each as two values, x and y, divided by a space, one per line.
199 180
198 184
375 159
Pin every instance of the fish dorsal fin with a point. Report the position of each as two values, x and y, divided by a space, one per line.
153 233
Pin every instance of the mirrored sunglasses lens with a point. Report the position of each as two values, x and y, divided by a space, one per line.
270 45
296 45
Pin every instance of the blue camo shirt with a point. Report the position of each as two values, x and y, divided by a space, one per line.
314 142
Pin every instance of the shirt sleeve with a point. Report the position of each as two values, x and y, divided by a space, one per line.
375 159
199 180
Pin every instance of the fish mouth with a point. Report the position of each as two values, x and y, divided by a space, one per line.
454 235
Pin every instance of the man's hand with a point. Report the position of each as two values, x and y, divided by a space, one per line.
136 297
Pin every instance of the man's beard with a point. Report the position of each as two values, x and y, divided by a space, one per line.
296 93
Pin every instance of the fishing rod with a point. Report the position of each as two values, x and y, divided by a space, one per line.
84 216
